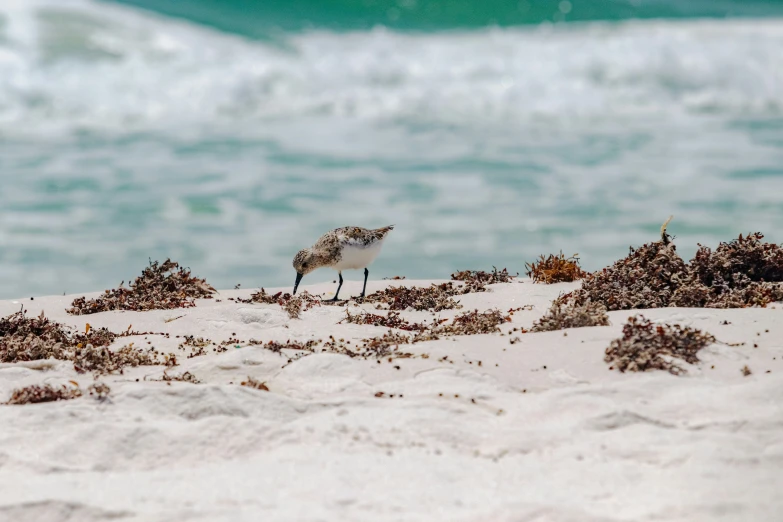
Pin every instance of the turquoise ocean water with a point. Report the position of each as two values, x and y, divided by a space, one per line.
229 134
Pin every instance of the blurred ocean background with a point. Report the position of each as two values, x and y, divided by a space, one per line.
229 134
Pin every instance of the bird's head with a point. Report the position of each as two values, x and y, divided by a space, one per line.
304 263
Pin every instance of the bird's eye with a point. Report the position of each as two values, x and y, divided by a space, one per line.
304 265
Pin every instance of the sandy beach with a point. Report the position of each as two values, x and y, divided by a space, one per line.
494 427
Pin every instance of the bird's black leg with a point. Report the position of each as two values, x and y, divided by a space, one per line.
364 288
340 274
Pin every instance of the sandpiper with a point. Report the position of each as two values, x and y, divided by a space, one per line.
346 248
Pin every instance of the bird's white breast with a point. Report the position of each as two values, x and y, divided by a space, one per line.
355 256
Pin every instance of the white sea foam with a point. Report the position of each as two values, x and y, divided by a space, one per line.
125 134
70 65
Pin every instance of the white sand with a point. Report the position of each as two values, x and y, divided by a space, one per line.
541 431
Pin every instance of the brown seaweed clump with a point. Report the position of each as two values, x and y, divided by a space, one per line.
386 346
646 346
391 320
255 384
294 305
25 338
560 317
743 272
473 323
555 268
101 360
647 278
161 286
35 394
434 298
182 377
277 346
479 278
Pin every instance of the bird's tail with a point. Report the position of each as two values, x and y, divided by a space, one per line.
381 232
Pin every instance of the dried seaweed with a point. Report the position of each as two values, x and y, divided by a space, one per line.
647 278
647 346
47 393
197 345
182 377
743 272
99 390
277 346
253 383
479 278
101 360
560 317
434 298
25 338
749 256
385 347
294 305
391 320
555 268
472 323
388 345
161 286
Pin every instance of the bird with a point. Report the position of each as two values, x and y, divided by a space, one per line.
345 248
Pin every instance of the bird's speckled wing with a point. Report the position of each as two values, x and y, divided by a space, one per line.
352 236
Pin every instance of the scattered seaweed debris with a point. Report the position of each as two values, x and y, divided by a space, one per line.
387 346
647 346
182 377
101 360
35 394
435 298
294 305
474 322
555 268
560 317
25 338
277 346
391 320
479 278
198 345
161 286
746 371
99 390
255 384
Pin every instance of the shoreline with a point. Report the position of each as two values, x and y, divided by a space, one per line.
343 438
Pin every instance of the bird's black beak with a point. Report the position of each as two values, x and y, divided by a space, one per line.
296 284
